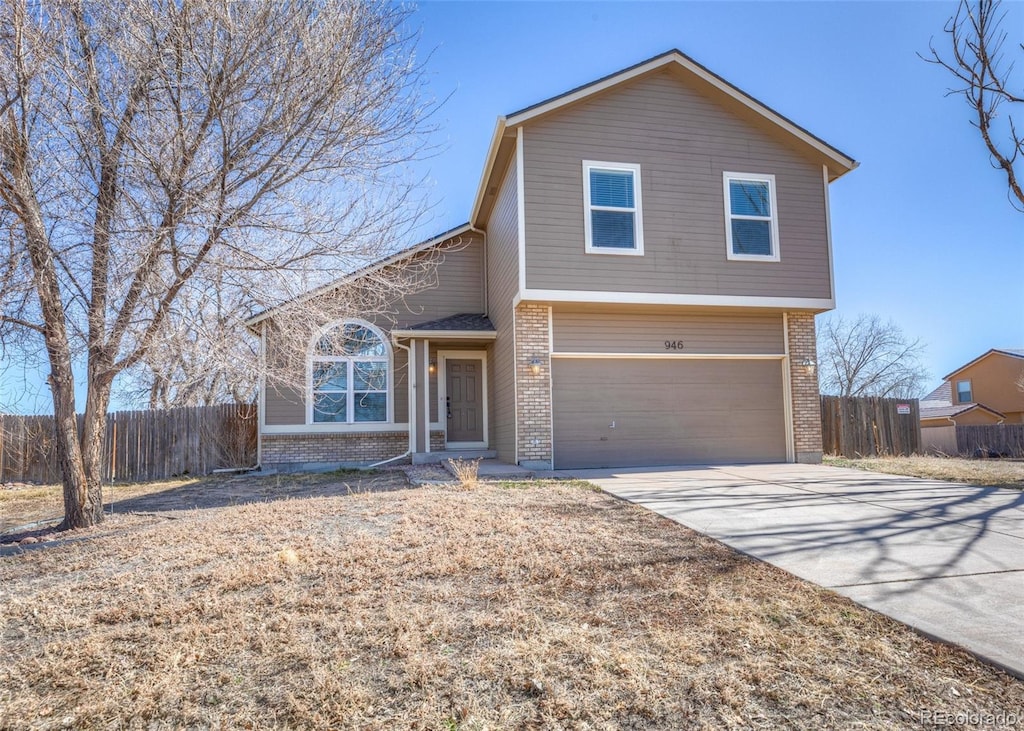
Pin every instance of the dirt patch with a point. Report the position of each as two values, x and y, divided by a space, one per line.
531 605
986 472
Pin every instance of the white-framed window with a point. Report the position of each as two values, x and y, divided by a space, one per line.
963 392
751 217
349 375
613 216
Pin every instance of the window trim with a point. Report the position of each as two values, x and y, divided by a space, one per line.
768 178
389 391
636 210
970 391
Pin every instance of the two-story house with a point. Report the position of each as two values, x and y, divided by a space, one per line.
636 286
983 391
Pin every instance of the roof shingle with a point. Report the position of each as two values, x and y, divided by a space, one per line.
464 322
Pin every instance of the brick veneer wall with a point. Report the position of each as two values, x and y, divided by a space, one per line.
533 392
283 450
806 401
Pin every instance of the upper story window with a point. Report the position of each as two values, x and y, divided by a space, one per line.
349 375
751 220
611 200
963 392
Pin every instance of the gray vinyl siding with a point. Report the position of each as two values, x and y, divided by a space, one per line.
503 283
683 140
284 399
285 405
624 329
456 287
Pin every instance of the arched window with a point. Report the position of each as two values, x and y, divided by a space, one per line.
349 368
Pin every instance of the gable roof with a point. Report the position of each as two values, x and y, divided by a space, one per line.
379 264
839 162
942 394
937 412
1011 352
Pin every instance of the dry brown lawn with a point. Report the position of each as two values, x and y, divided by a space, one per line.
24 505
539 605
987 472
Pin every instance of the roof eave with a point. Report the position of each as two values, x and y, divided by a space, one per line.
987 353
369 269
485 177
446 334
842 162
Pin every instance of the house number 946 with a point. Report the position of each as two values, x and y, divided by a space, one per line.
673 345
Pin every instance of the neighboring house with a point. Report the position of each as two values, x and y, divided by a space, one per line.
636 286
984 391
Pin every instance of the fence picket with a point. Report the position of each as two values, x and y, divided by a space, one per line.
137 445
1000 439
867 426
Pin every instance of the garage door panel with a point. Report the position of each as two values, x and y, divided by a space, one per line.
618 412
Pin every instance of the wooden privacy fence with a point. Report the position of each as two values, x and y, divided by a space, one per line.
868 426
137 445
1004 440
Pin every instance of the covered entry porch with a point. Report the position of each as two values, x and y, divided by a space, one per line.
448 387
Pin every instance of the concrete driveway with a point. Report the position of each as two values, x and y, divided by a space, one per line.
947 559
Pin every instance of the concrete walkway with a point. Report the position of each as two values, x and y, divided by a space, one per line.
944 558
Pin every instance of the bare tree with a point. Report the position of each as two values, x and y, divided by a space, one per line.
160 155
975 58
869 357
202 356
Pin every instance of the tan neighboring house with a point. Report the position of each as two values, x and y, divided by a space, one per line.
637 286
984 391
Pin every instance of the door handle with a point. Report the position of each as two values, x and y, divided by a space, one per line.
448 405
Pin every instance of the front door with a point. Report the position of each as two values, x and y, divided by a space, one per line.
465 400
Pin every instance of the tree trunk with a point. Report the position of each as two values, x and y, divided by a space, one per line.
77 512
83 504
94 424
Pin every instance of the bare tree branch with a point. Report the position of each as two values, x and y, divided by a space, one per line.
166 169
976 60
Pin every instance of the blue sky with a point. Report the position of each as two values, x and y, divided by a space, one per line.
922 231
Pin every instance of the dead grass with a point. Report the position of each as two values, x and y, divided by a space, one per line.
21 505
38 508
987 472
546 605
466 471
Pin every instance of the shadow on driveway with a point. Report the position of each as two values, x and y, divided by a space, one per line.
945 558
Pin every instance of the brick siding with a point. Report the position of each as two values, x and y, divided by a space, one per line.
806 401
533 406
353 448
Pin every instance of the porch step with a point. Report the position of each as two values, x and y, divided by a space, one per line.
438 457
492 469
